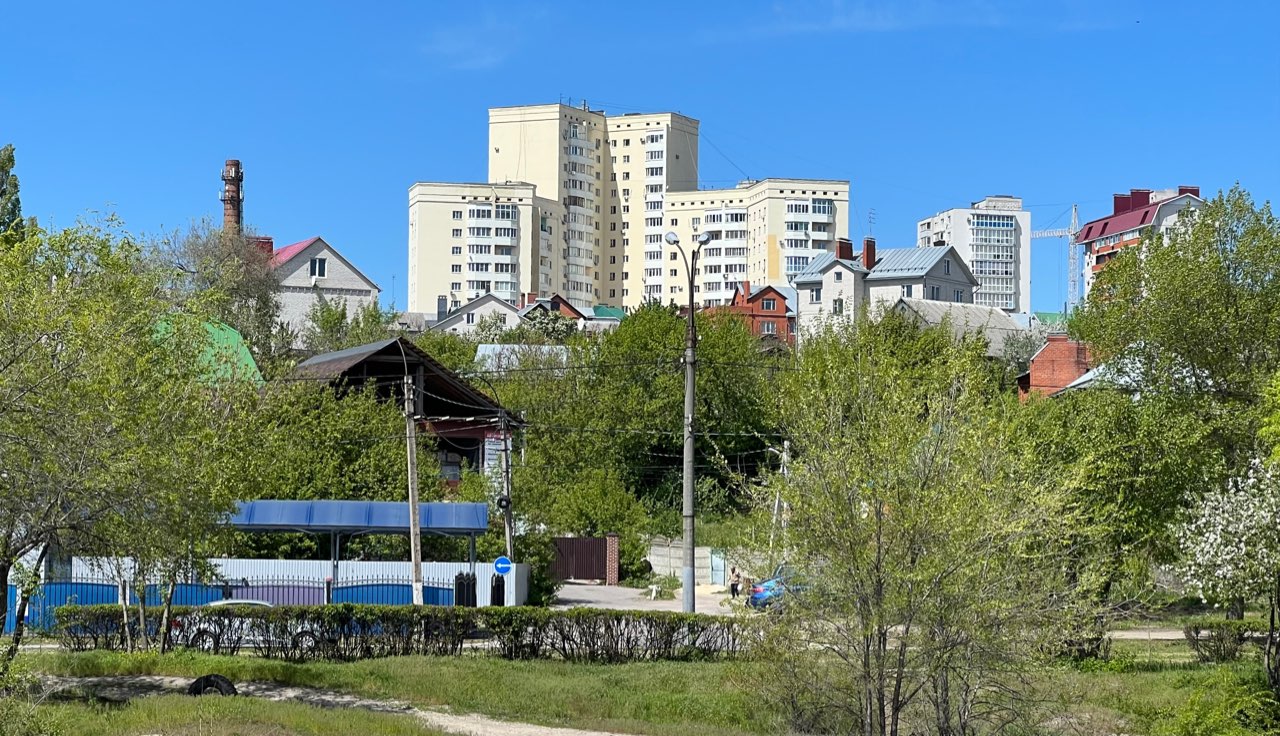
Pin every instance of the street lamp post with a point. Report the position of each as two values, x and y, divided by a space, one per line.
690 359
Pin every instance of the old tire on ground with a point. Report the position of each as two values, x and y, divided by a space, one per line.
211 685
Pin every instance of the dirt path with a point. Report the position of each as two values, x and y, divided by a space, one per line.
128 687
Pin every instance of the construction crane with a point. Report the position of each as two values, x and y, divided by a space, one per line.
1073 255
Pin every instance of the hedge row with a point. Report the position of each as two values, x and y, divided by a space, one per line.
350 631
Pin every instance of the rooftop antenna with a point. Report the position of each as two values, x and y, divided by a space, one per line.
871 220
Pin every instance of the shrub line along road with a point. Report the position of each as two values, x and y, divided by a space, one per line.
124 688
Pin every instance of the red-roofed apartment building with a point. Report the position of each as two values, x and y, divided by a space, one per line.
1132 215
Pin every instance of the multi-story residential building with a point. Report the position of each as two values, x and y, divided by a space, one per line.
1132 215
932 274
602 192
468 240
994 238
762 231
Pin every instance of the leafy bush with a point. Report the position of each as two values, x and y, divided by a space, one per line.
350 632
1232 703
1218 640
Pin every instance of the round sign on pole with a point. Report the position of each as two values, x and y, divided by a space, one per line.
502 565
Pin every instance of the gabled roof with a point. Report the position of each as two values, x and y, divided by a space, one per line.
822 263
994 323
461 312
281 256
602 311
905 263
284 254
788 294
546 303
1125 221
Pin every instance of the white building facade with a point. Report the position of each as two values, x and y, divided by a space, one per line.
993 236
312 268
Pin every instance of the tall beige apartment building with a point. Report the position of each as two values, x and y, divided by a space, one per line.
579 205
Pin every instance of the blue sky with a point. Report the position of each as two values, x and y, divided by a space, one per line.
336 108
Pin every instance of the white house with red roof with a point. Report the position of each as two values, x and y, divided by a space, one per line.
1132 215
311 268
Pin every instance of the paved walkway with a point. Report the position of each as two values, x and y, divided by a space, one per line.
120 689
707 599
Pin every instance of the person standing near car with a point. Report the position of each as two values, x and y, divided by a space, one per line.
735 583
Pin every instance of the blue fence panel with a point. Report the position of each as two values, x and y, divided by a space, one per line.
391 594
9 612
433 596
41 606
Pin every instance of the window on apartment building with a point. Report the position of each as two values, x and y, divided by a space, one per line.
626 175
674 222
613 293
455 286
769 304
613 176
769 328
456 268
471 318
626 159
626 141
625 276
613 242
613 276
906 290
935 293
815 296
946 266
613 227
613 209
318 267
674 256
456 250
457 214
454 304
505 212
673 273
695 222
457 232
653 171
959 295
626 209
613 159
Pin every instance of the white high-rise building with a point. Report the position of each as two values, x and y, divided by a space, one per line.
994 238
579 203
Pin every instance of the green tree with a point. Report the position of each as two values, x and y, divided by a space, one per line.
332 326
922 557
228 275
103 396
1194 316
11 223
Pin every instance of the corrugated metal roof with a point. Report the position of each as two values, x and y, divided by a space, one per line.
900 263
820 264
994 323
377 517
283 255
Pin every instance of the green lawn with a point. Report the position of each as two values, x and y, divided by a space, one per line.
181 715
662 698
1143 684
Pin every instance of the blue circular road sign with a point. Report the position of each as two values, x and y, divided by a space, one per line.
502 565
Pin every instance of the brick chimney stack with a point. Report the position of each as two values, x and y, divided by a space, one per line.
844 249
232 197
868 252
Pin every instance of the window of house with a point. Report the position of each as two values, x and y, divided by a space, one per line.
815 296
906 290
959 295
946 266
318 267
935 292
471 318
839 276
837 306
769 304
457 214
769 328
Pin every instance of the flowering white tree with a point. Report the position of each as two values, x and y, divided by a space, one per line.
1231 547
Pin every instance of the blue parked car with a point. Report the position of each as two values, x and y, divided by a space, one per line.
769 593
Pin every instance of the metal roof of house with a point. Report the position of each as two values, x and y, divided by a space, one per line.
993 323
286 253
602 311
359 517
1125 221
905 263
820 264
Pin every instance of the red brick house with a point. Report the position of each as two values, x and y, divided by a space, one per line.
1055 365
768 310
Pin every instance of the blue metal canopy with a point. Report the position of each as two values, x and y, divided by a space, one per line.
360 517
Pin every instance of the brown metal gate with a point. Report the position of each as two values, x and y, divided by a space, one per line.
581 558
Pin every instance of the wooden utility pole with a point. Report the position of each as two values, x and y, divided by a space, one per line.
415 524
